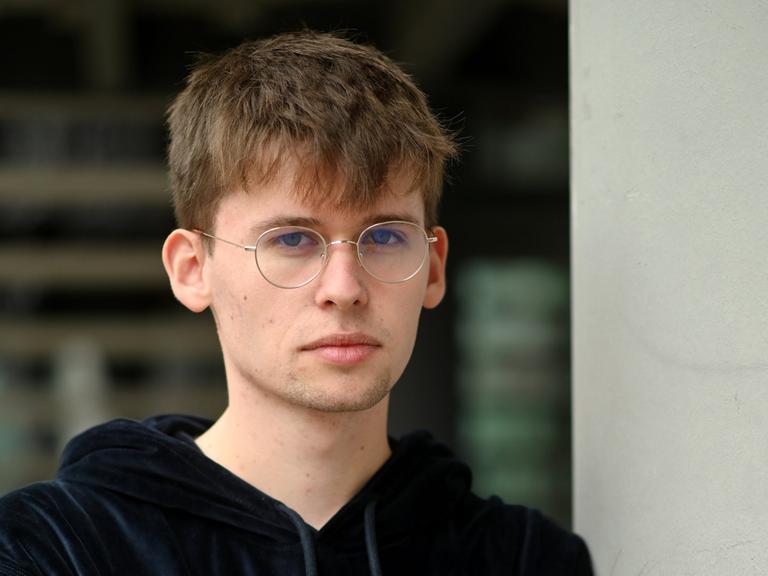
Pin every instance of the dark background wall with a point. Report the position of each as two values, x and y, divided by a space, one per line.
88 327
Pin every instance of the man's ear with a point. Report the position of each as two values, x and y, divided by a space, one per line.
184 259
438 255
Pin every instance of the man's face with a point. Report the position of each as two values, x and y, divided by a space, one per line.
338 343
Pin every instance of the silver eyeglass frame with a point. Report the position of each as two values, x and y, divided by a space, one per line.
326 245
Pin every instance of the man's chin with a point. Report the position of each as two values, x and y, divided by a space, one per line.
339 397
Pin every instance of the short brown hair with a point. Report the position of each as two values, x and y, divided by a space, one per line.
345 111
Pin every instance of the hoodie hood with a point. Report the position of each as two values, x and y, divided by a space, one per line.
157 462
141 498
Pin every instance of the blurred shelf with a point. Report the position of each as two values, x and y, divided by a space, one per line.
144 184
141 336
34 408
94 266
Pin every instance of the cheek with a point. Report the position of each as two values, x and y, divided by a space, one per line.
233 307
405 312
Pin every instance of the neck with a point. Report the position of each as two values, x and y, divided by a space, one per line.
314 462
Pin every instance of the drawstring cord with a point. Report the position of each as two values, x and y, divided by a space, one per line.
308 546
370 539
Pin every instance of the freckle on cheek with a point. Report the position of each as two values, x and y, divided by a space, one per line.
245 298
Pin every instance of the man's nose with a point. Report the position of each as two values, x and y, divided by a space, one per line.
342 281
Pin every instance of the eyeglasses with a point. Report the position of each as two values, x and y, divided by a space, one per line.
292 256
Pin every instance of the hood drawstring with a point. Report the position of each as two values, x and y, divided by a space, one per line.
370 538
308 545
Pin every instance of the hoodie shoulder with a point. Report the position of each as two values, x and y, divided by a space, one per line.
550 550
523 539
488 535
71 525
37 532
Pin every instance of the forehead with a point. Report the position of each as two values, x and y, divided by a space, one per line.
277 201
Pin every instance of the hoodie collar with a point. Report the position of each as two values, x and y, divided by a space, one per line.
155 461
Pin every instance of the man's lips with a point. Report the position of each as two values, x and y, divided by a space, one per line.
341 339
343 348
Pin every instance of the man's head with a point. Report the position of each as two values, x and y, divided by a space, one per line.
313 131
343 112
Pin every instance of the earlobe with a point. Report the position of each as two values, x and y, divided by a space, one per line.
184 259
438 256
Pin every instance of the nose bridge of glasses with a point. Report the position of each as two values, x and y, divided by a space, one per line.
339 242
326 256
342 242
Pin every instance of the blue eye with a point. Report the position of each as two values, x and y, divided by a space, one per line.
383 236
292 239
290 242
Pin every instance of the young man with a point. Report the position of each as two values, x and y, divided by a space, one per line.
306 172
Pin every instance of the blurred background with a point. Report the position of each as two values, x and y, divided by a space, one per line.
89 329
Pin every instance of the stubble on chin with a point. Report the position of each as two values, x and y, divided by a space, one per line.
314 396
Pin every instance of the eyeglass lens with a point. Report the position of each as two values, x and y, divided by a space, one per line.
291 256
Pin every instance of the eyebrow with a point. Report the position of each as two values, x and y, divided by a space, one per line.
278 221
310 222
375 218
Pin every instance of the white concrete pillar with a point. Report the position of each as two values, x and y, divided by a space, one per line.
669 114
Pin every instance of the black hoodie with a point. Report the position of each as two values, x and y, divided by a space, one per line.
139 498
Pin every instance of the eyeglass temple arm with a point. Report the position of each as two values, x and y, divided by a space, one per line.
212 237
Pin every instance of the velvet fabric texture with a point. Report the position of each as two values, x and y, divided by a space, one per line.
139 498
